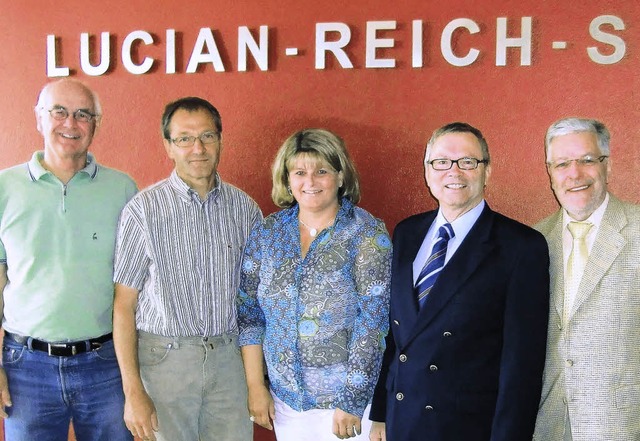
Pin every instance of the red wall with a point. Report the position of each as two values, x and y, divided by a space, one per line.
385 115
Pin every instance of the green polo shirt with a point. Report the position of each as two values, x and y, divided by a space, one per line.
57 242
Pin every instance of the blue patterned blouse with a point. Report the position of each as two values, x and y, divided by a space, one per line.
321 319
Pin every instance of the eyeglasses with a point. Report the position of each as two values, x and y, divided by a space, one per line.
188 141
585 161
462 163
60 114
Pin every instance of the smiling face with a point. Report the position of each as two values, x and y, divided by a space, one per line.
457 191
314 183
195 165
580 189
67 139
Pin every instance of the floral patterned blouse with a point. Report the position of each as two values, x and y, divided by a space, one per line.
321 319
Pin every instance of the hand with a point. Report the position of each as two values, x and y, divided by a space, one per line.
260 405
378 432
140 415
5 398
345 425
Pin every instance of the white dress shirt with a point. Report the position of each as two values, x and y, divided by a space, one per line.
461 227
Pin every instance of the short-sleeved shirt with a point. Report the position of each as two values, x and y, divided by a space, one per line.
183 255
57 241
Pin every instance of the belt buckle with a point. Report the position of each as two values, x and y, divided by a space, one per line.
51 346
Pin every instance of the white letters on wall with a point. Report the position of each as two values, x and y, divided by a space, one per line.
260 51
373 43
335 47
85 55
447 35
416 44
619 47
170 62
205 51
53 70
333 43
523 42
127 44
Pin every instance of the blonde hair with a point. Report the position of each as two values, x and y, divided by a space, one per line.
322 145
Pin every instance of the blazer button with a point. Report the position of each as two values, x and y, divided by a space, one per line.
428 407
446 334
433 368
403 358
399 396
396 322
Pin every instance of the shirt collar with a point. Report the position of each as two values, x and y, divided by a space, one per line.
37 170
463 224
345 210
186 192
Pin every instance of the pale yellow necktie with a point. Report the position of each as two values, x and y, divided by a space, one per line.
576 263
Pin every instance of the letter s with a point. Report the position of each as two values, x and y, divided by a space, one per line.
603 37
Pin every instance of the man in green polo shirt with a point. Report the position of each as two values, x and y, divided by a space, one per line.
58 218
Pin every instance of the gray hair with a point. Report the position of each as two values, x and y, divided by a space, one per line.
567 126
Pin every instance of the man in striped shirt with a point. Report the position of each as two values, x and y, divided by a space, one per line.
177 266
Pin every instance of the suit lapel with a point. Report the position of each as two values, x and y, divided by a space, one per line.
556 272
475 248
408 248
608 244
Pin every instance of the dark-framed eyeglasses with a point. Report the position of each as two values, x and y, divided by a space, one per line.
205 138
80 115
585 161
462 163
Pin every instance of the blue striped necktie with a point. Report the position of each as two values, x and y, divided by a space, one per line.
435 263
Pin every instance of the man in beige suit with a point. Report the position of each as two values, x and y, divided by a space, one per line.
591 389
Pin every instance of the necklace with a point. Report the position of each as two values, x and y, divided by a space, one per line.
313 232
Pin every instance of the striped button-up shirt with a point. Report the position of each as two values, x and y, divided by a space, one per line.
183 255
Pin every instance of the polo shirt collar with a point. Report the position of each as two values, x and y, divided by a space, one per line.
37 170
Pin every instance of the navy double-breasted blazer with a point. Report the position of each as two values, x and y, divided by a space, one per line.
468 365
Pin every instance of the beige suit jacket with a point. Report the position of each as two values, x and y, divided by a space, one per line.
592 368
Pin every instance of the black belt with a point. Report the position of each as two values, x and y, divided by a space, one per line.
66 349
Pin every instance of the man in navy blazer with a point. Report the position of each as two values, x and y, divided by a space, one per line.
465 362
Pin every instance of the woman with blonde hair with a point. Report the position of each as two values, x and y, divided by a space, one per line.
313 301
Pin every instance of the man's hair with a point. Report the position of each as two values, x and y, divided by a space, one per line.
190 104
458 127
321 145
567 126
